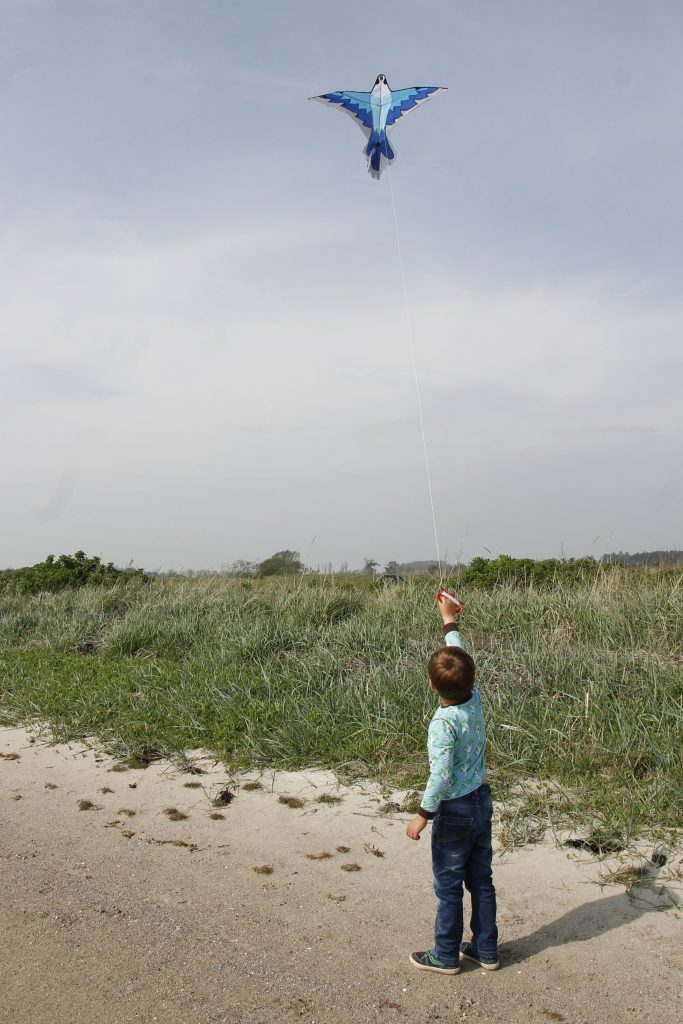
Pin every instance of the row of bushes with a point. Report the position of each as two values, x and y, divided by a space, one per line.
67 571
488 573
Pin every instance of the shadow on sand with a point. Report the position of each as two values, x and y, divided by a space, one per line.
589 921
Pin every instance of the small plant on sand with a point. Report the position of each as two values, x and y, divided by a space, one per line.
217 816
192 847
374 850
50 785
251 787
390 807
263 869
291 801
88 805
223 798
192 785
144 758
600 841
350 867
325 855
343 849
629 875
411 803
328 798
129 813
174 814
105 789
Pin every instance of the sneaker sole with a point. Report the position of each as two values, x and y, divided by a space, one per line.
486 967
437 970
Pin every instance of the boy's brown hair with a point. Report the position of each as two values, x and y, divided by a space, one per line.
451 671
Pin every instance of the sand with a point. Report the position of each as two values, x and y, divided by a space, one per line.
104 919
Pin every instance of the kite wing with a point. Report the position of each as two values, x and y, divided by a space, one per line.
405 100
356 104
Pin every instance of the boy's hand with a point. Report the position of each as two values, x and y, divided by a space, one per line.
414 827
449 610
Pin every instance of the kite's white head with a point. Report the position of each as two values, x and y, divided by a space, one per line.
382 80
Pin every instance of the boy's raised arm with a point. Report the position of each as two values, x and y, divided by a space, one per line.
449 613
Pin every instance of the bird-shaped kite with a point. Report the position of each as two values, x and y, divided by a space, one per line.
377 112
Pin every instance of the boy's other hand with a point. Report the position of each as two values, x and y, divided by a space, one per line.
414 827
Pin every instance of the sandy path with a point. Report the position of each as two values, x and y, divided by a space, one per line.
98 927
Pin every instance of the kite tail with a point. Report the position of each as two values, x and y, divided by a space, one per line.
378 147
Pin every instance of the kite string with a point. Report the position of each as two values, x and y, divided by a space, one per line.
411 341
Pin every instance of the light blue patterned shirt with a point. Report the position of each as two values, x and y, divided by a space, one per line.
456 745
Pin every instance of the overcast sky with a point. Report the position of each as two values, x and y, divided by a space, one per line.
204 351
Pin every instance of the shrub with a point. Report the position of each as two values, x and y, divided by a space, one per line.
65 572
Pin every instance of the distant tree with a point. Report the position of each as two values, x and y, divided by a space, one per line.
282 563
392 568
369 566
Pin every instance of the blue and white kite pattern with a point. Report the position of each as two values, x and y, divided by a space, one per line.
377 112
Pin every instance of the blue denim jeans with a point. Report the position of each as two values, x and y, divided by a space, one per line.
462 852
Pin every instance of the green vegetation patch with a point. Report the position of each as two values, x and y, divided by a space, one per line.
581 682
65 572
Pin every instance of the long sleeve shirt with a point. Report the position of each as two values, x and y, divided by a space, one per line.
456 745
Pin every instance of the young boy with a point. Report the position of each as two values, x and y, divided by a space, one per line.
458 801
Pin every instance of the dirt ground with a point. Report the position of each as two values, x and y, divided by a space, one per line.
104 919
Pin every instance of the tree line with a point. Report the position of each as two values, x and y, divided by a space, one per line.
72 571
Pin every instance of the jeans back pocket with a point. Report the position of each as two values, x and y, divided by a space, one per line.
452 829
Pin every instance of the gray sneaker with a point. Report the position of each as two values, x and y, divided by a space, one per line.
468 952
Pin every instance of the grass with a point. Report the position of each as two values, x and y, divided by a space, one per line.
173 814
374 850
582 684
293 802
629 875
88 805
